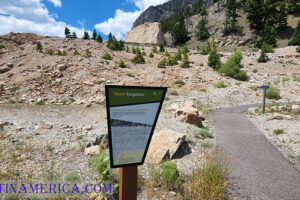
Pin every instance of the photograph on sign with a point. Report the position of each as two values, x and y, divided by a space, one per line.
132 115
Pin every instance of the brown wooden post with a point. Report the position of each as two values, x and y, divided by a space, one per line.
128 183
264 101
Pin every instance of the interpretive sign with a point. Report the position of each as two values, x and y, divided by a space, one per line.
132 113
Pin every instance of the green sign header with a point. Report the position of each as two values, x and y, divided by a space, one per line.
127 96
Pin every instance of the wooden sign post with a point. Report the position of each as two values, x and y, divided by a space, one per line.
264 87
128 183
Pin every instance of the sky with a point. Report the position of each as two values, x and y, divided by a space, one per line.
50 17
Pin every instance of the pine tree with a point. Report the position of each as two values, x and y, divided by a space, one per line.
86 35
268 36
74 35
197 5
94 37
214 58
203 11
179 31
202 32
296 36
67 32
99 39
230 25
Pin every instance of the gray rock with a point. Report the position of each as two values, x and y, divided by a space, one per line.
62 67
4 69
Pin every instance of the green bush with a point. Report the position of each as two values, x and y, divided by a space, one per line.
296 36
162 64
161 48
263 57
267 48
133 50
88 53
179 82
205 49
298 49
122 64
170 175
185 62
232 67
185 50
76 53
138 58
58 52
151 55
254 70
167 54
39 47
114 44
203 133
50 52
172 61
127 49
107 56
178 56
214 57
154 49
64 53
278 131
273 93
220 84
72 177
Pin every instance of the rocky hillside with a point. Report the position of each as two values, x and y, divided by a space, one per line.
167 9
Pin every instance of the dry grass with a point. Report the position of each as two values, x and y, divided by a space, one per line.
210 180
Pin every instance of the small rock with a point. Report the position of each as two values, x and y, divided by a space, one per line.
92 150
46 126
88 128
62 67
4 69
189 114
10 65
88 104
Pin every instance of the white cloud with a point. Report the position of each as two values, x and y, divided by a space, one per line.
31 16
119 24
122 22
57 3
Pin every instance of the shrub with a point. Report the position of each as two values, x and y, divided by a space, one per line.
185 50
296 36
151 55
205 49
58 52
172 61
203 133
185 62
179 82
210 180
40 102
162 64
133 50
267 48
139 58
220 84
273 93
39 47
161 48
72 177
107 56
122 64
2 46
64 53
88 53
178 56
202 32
170 175
144 53
278 131
232 67
76 53
127 49
214 58
254 70
50 52
154 49
167 54
263 57
298 49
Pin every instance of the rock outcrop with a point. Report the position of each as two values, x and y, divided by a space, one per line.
164 145
189 114
148 33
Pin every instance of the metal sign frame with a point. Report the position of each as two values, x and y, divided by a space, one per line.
108 106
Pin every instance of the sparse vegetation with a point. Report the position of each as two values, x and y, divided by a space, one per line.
295 40
298 49
114 44
151 55
214 57
254 70
154 49
107 56
50 52
203 133
205 50
273 93
278 131
179 82
139 58
185 62
122 64
88 53
76 53
39 47
220 84
162 63
161 47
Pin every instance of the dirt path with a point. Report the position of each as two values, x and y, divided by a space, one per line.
258 171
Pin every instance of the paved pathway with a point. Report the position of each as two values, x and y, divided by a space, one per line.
259 171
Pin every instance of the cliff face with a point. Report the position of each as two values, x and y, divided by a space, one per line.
148 33
156 13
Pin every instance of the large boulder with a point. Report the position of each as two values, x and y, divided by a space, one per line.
189 114
148 33
164 145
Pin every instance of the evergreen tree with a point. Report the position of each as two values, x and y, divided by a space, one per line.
214 58
230 25
179 31
86 35
99 39
296 36
67 32
197 5
203 11
202 32
114 44
74 35
268 36
94 37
